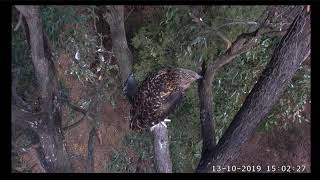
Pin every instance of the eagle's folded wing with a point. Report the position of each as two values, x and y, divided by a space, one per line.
170 103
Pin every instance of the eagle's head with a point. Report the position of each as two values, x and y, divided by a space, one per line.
186 77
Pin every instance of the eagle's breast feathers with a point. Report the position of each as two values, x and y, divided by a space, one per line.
157 97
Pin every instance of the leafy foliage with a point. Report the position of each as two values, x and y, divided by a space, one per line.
21 62
123 161
176 40
292 103
55 19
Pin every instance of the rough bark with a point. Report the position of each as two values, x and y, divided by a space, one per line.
114 17
48 126
274 21
293 49
206 113
161 149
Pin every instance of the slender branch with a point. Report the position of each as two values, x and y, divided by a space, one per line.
235 23
67 128
19 22
76 108
243 43
223 37
125 19
91 142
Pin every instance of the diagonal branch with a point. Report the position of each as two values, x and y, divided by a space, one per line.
19 23
293 49
233 23
242 44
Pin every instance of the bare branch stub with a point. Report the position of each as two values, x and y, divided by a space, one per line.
161 148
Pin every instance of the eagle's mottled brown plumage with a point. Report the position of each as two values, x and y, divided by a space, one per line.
158 95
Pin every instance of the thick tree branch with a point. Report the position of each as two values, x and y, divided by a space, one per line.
290 53
243 43
31 14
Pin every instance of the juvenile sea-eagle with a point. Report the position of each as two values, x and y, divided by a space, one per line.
158 96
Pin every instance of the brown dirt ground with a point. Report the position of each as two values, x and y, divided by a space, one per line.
30 160
279 147
113 128
114 124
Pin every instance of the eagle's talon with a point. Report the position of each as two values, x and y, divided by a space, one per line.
167 120
152 127
163 123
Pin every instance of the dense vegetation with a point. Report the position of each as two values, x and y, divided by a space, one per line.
177 41
174 40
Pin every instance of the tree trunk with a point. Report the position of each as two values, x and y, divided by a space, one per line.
293 49
115 20
51 151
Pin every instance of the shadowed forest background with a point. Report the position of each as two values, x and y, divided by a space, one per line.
158 36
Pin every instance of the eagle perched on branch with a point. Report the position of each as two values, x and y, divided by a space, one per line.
158 96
